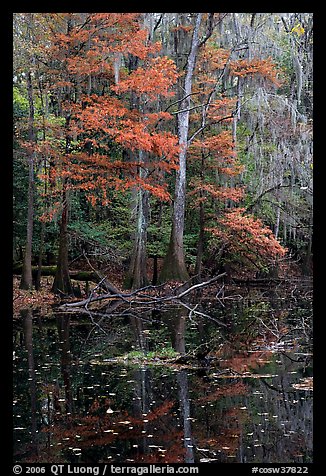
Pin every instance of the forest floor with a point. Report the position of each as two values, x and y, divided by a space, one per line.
44 299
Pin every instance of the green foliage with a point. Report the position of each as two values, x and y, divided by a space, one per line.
20 185
162 353
20 104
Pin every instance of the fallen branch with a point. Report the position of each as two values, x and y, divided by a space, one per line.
200 285
138 294
194 311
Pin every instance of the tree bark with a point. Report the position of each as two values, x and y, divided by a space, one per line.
137 275
40 257
138 268
62 283
174 263
44 113
200 244
26 278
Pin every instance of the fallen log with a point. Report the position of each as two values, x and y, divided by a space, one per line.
138 293
77 275
51 270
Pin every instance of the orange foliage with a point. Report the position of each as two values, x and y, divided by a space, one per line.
212 58
154 79
262 67
83 54
218 146
247 235
212 190
242 234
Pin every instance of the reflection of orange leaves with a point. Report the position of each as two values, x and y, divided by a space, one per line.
173 453
225 440
228 441
161 410
238 388
95 406
246 361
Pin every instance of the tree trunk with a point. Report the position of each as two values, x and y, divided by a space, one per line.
40 256
174 263
26 279
62 284
137 276
155 270
44 112
200 244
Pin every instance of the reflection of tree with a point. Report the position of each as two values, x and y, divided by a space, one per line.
100 430
138 328
144 414
182 380
219 405
285 415
177 326
176 321
141 402
63 322
28 334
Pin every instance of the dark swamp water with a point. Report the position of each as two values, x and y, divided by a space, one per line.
94 389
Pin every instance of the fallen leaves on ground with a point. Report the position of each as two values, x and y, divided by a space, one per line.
23 299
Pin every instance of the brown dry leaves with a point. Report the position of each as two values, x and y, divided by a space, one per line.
23 299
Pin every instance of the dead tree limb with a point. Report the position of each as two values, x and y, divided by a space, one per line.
138 293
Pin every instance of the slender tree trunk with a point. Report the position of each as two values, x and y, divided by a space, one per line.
137 275
138 266
62 283
26 279
174 263
277 224
237 115
200 244
155 270
40 257
42 235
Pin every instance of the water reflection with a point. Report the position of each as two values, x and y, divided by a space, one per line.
75 401
182 380
27 319
63 323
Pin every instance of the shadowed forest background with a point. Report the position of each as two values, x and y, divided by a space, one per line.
162 237
160 146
